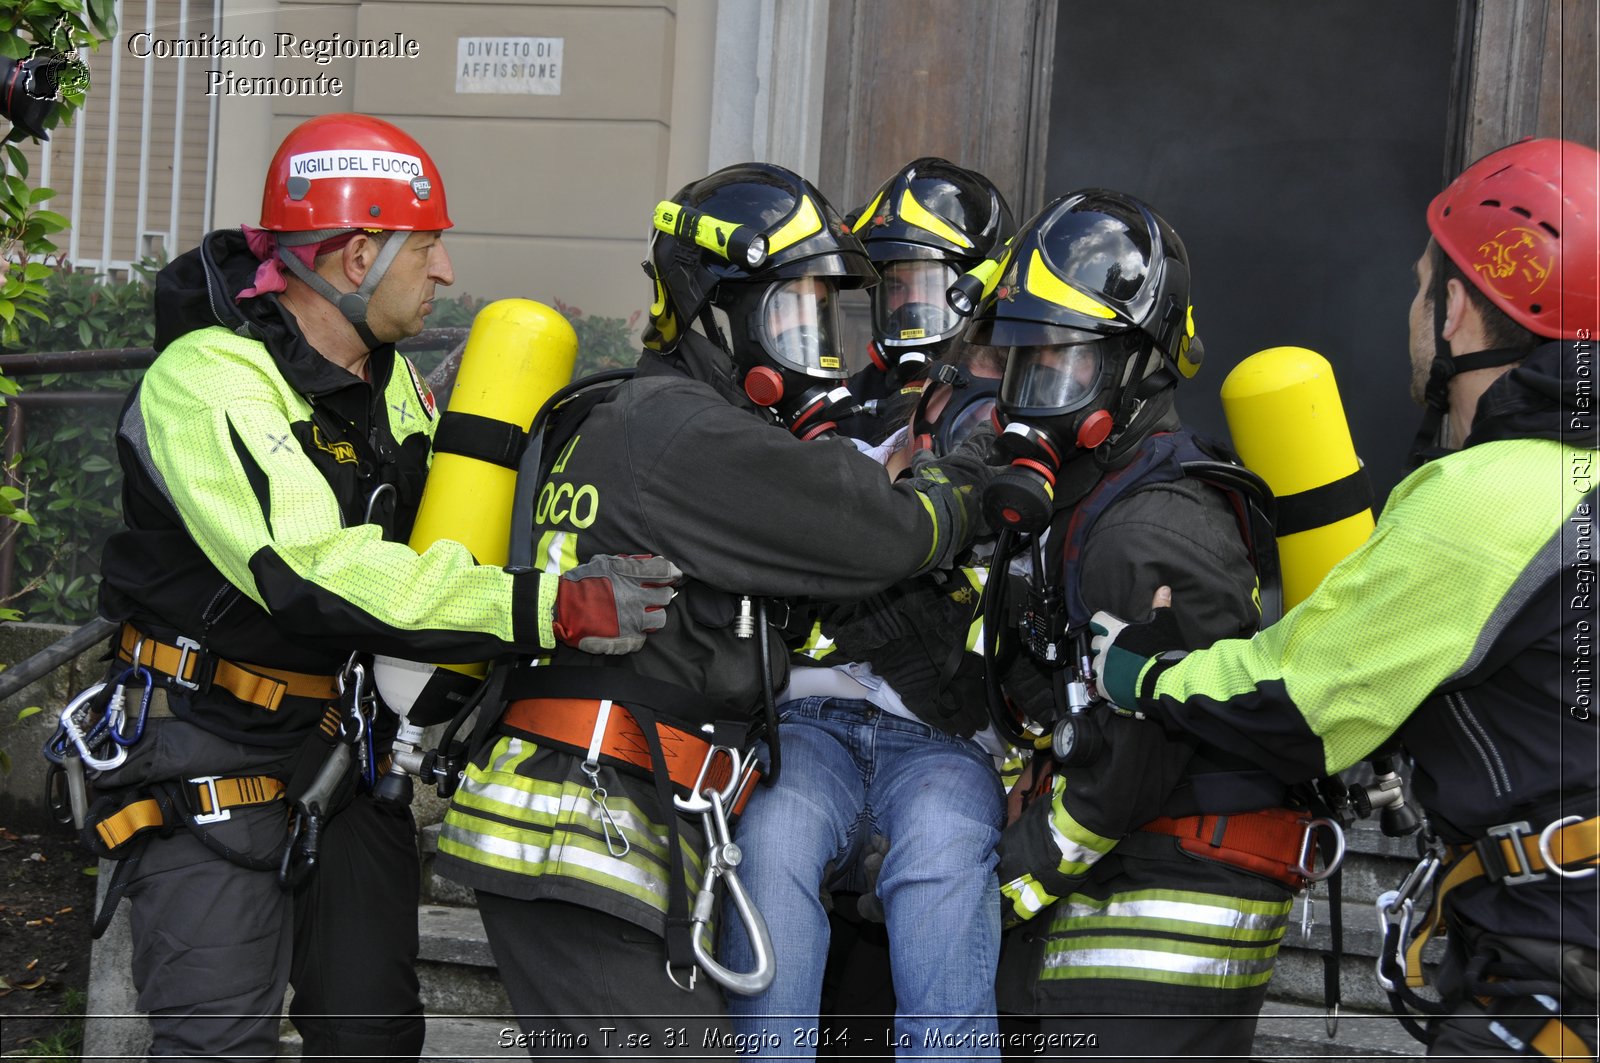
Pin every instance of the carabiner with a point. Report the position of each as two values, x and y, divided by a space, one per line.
1308 856
76 735
1395 909
114 726
722 857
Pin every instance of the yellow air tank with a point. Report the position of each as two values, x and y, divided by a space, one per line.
518 354
1289 427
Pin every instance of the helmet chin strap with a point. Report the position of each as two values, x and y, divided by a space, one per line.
353 305
1444 367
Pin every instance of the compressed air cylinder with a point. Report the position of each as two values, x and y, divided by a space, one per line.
1288 425
518 354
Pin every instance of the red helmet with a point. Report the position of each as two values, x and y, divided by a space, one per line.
1521 223
352 171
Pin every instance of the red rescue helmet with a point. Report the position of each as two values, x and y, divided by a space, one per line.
1521 224
352 171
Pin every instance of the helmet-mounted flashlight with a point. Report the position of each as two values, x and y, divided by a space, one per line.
965 294
739 244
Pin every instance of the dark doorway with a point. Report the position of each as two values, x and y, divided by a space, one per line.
1294 146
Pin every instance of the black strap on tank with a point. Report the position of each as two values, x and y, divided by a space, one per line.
1325 504
474 436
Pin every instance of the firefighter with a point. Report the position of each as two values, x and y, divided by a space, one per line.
1119 931
570 823
1462 625
925 225
273 457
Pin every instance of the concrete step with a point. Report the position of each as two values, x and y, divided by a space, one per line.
1298 977
435 889
454 965
1292 1032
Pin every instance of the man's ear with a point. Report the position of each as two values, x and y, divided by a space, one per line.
1456 307
357 256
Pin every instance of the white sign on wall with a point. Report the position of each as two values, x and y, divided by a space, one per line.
509 64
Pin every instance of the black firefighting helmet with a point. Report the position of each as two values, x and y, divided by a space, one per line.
1091 305
930 222
754 253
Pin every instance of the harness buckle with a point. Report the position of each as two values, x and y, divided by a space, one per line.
187 647
1493 854
218 814
1550 862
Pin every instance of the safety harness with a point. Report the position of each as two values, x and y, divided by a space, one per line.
94 734
1512 855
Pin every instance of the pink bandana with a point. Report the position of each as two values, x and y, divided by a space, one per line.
272 275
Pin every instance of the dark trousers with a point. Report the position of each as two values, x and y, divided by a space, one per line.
584 983
215 944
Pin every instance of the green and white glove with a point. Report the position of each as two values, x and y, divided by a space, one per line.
1124 651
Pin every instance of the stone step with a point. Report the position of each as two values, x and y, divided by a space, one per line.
1293 1032
1298 977
454 965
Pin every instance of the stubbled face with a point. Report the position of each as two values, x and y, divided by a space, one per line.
1421 327
404 297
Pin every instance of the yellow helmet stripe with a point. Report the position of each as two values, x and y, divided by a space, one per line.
916 214
1046 285
866 215
806 221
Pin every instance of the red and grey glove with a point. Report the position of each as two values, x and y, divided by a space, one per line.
611 602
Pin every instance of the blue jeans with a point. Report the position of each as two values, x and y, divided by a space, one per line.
849 771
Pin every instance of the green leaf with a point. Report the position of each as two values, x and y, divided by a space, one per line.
8 310
91 871
95 464
31 710
39 195
19 161
85 336
36 271
50 218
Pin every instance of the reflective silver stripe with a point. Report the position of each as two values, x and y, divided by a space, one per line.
521 852
605 864
545 804
1186 911
570 856
1153 959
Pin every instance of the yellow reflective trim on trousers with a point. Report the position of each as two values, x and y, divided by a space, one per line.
1216 920
1242 904
530 852
1152 959
571 808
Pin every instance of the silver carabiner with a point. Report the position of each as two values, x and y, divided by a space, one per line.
1308 857
1399 906
75 734
722 858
